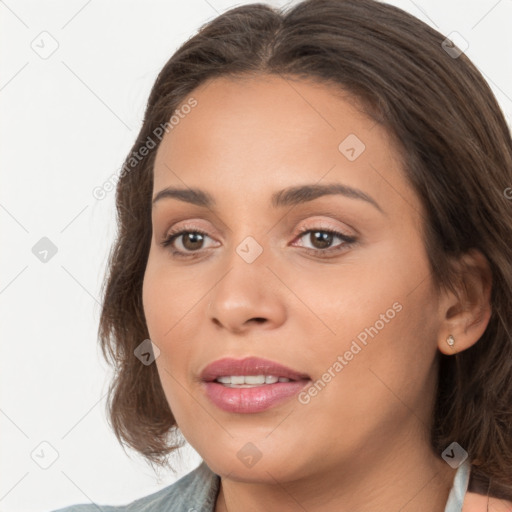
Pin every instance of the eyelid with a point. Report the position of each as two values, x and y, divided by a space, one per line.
178 231
318 220
311 224
318 224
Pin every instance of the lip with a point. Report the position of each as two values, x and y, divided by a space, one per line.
249 366
254 399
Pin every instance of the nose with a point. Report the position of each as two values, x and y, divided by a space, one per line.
248 296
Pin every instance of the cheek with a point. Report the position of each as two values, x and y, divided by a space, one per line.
159 310
360 299
368 382
155 302
170 299
373 328
169 294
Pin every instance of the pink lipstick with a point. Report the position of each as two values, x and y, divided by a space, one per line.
250 385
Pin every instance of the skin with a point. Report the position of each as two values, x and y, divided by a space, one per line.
361 444
479 503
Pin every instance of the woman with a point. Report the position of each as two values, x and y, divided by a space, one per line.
312 278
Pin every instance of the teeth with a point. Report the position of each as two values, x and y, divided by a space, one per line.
250 380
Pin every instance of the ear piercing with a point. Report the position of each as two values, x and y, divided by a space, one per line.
450 340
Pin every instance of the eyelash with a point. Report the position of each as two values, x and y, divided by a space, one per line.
348 241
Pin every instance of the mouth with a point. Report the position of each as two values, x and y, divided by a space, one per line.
251 371
250 385
250 381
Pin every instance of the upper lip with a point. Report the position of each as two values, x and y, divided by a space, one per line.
248 366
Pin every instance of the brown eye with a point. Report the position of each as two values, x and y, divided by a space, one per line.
190 241
322 239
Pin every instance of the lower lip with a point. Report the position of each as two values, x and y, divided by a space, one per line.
251 400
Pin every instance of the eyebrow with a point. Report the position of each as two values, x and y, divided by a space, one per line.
287 197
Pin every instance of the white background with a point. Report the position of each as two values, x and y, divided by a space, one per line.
67 123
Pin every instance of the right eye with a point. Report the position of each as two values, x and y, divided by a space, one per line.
191 241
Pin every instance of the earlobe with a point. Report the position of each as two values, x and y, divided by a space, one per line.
467 313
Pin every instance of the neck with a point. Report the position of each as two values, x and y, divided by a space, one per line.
405 479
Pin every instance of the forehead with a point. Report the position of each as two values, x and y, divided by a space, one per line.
271 132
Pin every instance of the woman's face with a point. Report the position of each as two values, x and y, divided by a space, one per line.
357 315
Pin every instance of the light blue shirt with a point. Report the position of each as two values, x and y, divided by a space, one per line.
197 492
459 488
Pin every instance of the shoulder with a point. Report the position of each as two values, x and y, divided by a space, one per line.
474 502
195 491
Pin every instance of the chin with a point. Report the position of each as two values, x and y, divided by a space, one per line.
266 469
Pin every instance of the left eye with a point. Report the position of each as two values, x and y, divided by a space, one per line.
192 240
324 238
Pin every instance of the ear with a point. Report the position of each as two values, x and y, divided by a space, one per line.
467 315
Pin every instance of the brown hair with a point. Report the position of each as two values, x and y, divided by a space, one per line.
457 153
